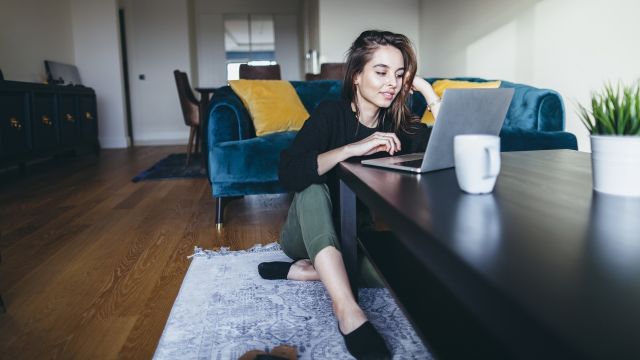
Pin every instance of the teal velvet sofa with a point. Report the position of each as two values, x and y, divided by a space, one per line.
239 163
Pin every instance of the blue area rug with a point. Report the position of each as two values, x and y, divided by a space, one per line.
173 167
225 309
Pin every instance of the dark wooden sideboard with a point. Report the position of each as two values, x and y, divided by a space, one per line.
40 120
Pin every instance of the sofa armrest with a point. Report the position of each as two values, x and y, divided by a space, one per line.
551 112
534 109
516 139
228 119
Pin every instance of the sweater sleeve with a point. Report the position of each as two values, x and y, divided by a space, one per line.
299 163
416 140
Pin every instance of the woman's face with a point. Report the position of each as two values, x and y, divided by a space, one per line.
381 79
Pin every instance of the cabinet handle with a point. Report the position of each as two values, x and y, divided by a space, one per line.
15 123
46 120
88 116
69 118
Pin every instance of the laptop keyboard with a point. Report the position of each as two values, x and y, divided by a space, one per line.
410 163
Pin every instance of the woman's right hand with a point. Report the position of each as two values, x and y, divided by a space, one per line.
379 141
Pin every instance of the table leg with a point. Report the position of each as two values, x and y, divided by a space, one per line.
349 234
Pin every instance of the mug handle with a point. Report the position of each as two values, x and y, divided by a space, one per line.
493 162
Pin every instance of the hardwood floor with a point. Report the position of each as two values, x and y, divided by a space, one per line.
92 262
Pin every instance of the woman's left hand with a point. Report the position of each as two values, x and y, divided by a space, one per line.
422 85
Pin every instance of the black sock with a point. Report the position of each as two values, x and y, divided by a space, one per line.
274 270
366 343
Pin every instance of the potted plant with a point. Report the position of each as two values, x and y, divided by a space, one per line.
614 124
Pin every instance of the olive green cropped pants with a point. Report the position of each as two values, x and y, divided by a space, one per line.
309 228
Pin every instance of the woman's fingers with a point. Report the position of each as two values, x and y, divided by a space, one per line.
388 143
392 138
377 142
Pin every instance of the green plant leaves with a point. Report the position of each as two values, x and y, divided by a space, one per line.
614 111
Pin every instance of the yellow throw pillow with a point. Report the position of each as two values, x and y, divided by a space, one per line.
273 105
439 86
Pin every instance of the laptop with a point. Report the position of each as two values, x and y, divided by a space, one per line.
463 111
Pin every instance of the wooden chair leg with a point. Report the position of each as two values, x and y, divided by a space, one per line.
189 145
198 147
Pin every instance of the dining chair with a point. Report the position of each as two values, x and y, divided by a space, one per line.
260 72
329 71
190 111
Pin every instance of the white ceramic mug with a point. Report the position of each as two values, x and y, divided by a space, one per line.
477 162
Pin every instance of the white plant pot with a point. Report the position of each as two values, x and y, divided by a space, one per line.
615 163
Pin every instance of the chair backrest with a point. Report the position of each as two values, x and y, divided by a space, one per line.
188 101
328 71
333 71
311 77
260 72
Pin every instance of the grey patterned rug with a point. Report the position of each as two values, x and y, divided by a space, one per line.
225 309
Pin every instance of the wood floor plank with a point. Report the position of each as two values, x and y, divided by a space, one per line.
92 262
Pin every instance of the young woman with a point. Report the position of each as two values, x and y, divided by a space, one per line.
373 118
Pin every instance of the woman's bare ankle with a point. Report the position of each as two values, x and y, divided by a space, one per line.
303 270
350 317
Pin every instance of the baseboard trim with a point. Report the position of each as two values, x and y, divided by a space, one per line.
114 142
162 138
152 142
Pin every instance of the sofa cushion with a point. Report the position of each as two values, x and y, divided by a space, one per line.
273 105
439 86
312 93
248 161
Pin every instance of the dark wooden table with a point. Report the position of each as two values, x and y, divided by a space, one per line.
543 268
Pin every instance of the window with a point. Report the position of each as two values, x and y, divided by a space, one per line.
248 39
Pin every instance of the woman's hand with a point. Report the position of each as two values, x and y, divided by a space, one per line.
433 100
379 141
422 85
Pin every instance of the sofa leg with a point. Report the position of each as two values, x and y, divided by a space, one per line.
221 203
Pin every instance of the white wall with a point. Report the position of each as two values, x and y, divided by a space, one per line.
158 42
571 46
212 70
32 31
342 21
96 37
310 32
288 53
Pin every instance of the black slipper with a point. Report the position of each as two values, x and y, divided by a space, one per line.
275 270
366 343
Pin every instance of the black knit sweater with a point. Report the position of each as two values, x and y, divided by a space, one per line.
333 124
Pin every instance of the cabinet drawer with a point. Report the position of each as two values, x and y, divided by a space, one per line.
15 128
89 118
45 121
68 119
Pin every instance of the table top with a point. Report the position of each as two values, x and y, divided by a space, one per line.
542 250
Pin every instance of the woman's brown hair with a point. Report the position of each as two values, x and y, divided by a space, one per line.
360 53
